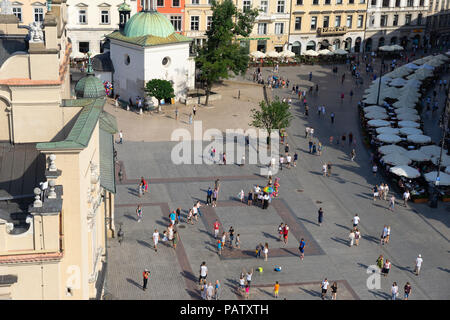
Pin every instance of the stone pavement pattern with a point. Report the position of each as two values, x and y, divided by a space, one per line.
416 229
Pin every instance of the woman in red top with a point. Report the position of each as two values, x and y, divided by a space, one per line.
144 184
285 233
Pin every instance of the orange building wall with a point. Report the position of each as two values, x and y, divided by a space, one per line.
168 9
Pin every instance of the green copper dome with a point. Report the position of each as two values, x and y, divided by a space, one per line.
124 7
146 23
89 87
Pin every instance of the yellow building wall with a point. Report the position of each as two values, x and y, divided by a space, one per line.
35 281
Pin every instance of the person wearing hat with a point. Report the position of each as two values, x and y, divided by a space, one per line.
145 275
419 261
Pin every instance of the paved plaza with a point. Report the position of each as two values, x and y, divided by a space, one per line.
146 151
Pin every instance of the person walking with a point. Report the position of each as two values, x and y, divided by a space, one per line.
176 114
334 290
194 110
310 76
250 198
301 248
280 231
120 137
406 197
237 242
380 262
266 251
407 290
324 286
155 239
329 169
351 236
386 191
217 290
320 216
175 239
139 213
231 236
203 273
249 277
332 117
353 155
219 247
215 196
209 196
374 170
145 276
172 217
419 261
394 291
357 237
355 220
342 97
241 195
276 289
210 292
388 234
258 250
376 193
386 268
295 159
324 169
392 203
285 233
383 235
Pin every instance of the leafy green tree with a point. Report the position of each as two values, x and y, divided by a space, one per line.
274 115
222 55
160 89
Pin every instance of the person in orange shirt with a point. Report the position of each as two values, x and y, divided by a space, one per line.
145 275
276 289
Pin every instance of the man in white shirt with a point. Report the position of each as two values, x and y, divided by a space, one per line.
288 160
311 132
324 287
156 239
406 197
419 261
356 220
281 162
203 273
120 137
374 169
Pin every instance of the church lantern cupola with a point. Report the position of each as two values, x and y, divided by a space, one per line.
124 14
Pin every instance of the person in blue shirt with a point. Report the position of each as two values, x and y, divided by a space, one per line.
208 196
172 217
302 248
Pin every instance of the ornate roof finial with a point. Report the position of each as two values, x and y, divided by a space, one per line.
90 70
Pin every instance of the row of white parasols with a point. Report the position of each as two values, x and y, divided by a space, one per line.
290 54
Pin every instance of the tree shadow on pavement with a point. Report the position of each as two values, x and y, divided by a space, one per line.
340 240
145 244
407 269
311 292
309 221
134 283
269 236
382 295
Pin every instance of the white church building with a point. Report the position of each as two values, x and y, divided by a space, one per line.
147 47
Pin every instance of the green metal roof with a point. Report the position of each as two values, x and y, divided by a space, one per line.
77 102
107 170
90 87
124 7
81 132
147 23
146 41
108 122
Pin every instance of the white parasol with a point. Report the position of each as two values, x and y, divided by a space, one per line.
340 51
392 148
411 124
405 171
412 66
406 110
378 123
388 138
408 117
311 53
396 159
432 151
287 54
386 48
435 62
404 104
273 54
376 115
427 66
258 54
397 47
418 138
387 130
407 131
324 52
374 109
445 161
417 155
398 82
399 72
444 179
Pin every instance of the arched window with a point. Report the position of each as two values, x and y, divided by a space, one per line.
336 44
297 48
348 44
381 42
358 44
393 40
311 45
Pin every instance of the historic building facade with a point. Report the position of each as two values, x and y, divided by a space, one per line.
28 11
57 179
438 22
399 22
327 24
89 22
172 9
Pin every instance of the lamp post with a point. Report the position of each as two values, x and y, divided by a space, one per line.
379 83
435 192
